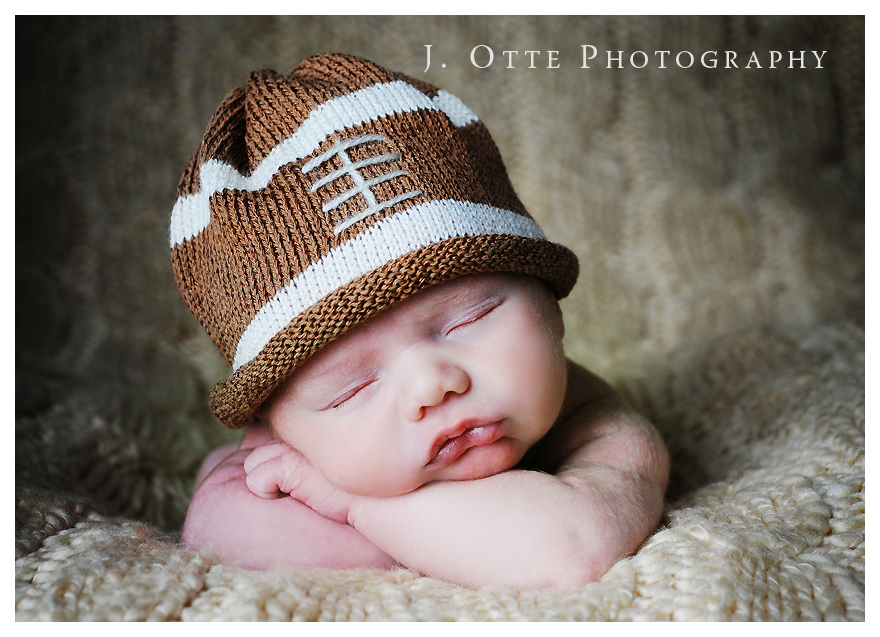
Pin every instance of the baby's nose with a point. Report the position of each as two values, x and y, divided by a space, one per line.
431 384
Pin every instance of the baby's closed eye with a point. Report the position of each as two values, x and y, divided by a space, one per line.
474 316
349 394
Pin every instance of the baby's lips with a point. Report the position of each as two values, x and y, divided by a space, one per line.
451 445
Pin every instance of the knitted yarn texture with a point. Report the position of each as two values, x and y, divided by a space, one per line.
317 199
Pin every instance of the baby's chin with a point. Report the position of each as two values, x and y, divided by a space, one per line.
475 463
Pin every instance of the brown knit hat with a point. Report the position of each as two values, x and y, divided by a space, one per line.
319 198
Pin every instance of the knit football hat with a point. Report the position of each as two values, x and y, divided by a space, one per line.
317 199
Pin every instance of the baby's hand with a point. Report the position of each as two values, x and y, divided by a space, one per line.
274 468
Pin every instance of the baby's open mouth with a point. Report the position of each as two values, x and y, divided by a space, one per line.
450 446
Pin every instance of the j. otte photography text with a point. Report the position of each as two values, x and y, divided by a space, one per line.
483 56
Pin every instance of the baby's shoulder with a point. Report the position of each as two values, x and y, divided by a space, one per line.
586 397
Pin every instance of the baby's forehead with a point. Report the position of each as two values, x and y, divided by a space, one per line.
429 304
449 296
433 302
431 308
447 299
472 284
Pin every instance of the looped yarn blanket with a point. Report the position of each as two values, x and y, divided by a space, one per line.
718 216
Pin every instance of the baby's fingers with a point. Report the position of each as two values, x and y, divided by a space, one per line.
265 478
264 453
284 472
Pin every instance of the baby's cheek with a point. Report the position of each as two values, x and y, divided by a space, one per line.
361 467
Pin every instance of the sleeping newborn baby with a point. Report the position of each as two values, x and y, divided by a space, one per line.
391 316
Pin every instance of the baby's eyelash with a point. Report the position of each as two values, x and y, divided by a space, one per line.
481 313
349 395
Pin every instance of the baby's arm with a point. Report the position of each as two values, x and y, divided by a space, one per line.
252 532
524 529
532 529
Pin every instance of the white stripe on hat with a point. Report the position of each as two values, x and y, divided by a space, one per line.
191 213
390 238
456 110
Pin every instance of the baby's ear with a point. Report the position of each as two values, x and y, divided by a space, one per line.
559 320
260 417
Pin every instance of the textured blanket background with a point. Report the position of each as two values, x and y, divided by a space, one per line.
719 218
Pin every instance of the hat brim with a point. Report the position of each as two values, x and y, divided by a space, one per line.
236 399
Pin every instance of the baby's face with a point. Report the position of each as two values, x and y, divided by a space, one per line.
454 383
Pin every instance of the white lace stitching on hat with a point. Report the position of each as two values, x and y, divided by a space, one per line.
362 186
